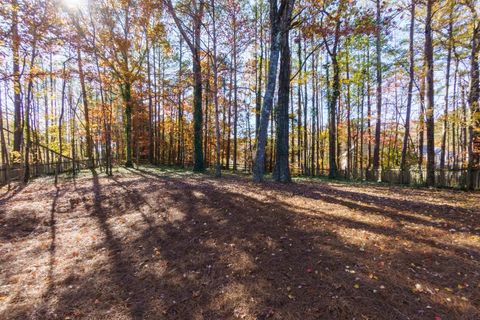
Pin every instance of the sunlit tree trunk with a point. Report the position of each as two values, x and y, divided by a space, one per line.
411 74
85 109
28 108
447 92
279 21
195 47
376 148
281 172
218 171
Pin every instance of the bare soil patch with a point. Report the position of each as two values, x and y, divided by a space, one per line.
150 244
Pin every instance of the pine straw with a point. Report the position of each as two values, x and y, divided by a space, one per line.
146 244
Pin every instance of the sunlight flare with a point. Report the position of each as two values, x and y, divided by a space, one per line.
74 4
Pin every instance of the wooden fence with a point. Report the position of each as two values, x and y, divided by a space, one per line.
452 178
16 172
449 178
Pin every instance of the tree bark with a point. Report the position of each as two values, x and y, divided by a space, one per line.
218 171
17 87
281 172
259 165
376 147
473 101
85 109
429 111
195 47
447 89
235 95
127 97
411 74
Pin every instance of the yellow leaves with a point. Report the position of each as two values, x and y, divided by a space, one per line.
15 157
356 286
16 88
156 31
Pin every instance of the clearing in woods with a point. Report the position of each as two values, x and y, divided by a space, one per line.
153 244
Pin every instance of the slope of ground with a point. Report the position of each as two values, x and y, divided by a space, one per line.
152 244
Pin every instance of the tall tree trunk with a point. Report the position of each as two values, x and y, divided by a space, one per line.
421 122
127 97
229 129
195 47
411 74
206 122
235 95
332 121
3 145
429 111
198 165
464 148
258 98
314 118
259 165
28 143
369 110
218 168
305 112
333 98
362 124
181 146
279 21
60 122
473 101
447 91
281 172
85 109
17 87
455 116
151 145
349 123
299 106
376 148
292 125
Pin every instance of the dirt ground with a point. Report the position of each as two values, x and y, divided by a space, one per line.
153 244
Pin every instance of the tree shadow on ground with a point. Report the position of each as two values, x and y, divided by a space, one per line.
224 249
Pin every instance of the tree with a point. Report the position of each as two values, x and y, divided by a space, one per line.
447 92
378 46
126 93
16 42
474 95
281 172
411 75
334 21
194 43
280 17
218 171
429 110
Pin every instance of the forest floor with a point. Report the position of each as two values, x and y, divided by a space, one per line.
162 244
